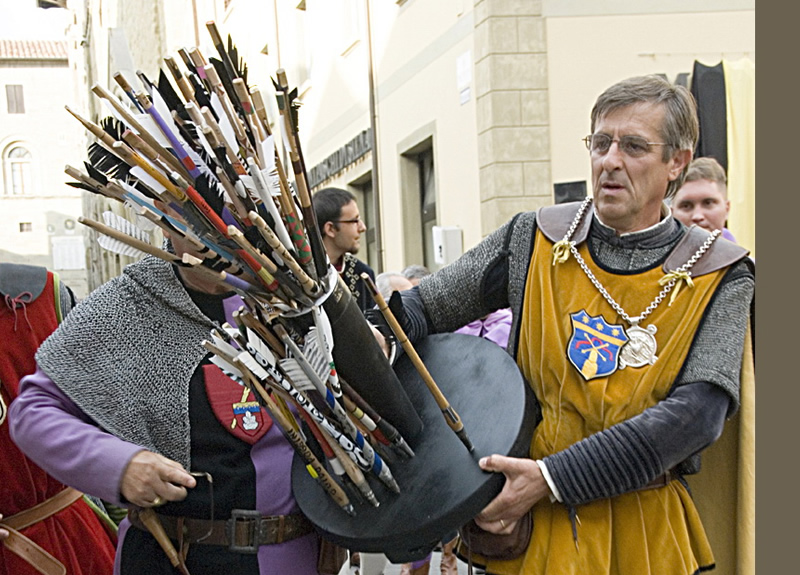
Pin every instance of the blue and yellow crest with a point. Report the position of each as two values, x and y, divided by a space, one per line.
595 344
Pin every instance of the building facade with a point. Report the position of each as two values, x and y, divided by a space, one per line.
460 113
37 138
453 114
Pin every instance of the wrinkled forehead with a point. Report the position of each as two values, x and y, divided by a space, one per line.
633 118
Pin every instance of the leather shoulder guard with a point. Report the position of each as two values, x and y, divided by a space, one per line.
721 254
554 221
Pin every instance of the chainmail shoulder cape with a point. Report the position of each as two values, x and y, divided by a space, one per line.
125 356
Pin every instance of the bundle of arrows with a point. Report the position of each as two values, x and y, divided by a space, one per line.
201 162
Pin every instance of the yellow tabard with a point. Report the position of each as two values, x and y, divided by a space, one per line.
649 532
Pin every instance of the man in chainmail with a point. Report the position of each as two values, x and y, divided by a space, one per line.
630 329
341 226
125 405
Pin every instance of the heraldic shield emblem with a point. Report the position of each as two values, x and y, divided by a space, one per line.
595 344
235 406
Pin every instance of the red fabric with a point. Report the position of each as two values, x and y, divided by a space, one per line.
231 402
74 536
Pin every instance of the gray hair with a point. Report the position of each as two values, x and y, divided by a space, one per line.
386 283
416 271
680 127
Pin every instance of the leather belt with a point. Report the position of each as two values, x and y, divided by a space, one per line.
661 481
43 510
244 532
27 549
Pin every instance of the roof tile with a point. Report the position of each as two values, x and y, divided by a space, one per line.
33 50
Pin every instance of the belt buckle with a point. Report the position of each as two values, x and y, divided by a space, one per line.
253 519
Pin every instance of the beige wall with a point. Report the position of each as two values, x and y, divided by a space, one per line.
416 48
654 44
418 98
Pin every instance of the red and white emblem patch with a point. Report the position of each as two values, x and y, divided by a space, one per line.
235 406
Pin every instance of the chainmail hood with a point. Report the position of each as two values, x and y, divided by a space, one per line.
125 356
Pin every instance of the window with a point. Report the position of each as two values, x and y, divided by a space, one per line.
427 192
25 227
418 181
18 171
69 252
14 98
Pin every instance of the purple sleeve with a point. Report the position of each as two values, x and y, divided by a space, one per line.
472 328
53 432
726 233
497 326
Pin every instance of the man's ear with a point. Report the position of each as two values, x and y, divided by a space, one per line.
680 159
329 229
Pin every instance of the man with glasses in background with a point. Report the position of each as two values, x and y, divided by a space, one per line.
341 226
631 330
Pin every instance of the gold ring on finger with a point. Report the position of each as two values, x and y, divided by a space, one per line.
157 501
502 524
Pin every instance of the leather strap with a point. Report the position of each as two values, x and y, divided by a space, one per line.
43 510
35 555
661 481
24 547
244 532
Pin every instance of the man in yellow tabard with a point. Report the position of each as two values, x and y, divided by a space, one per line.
630 328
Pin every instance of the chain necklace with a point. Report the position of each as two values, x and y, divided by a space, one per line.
641 347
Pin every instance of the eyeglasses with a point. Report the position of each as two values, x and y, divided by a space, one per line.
353 221
633 146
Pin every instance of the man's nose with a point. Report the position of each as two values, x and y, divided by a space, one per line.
612 159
